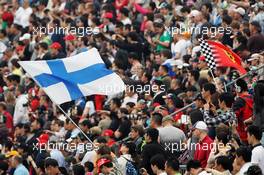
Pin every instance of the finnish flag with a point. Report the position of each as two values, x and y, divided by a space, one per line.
73 77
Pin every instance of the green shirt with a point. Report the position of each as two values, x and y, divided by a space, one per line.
165 37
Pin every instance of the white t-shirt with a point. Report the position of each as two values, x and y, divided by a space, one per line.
258 157
57 155
122 160
21 111
22 16
90 105
90 156
244 168
180 47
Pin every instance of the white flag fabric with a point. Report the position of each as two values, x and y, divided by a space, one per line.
73 77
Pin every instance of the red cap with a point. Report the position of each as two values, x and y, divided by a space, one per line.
43 139
69 37
108 15
202 58
101 162
108 132
55 45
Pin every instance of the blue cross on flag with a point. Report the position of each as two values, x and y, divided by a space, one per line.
74 77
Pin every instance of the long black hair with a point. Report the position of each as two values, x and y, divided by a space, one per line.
132 151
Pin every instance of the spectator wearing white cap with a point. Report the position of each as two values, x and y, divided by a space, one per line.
29 47
196 18
254 60
204 146
239 14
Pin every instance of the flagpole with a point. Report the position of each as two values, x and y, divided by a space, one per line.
68 116
182 109
245 75
214 78
74 123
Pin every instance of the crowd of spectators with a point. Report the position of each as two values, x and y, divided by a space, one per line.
175 117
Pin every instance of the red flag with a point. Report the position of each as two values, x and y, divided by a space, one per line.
225 57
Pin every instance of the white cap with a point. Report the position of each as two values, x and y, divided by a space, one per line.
240 10
195 13
255 56
26 36
200 125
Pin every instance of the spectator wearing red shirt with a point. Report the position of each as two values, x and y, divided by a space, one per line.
243 107
6 117
203 148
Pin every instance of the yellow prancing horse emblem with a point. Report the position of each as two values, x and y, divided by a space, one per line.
231 57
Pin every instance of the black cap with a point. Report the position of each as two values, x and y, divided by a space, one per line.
257 25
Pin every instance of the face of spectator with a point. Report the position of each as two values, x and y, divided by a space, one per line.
238 161
249 138
34 125
237 16
199 103
163 11
51 170
147 138
54 126
13 162
205 94
254 62
106 21
26 4
19 131
161 71
112 106
124 149
189 93
159 30
202 64
53 51
204 10
134 134
106 170
71 126
119 30
221 104
83 127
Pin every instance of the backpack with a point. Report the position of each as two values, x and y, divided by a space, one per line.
131 168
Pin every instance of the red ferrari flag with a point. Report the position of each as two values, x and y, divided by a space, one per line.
225 57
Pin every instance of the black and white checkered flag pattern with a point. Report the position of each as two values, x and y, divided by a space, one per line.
208 54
